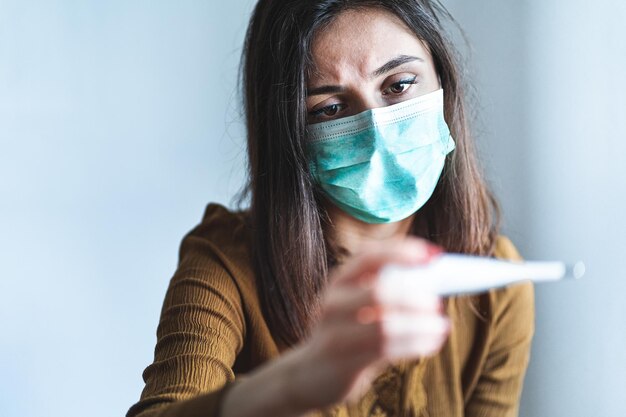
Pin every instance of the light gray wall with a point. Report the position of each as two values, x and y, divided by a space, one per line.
118 122
551 79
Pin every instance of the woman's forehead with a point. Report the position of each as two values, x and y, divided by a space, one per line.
359 41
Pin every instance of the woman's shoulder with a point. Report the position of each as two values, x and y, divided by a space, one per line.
517 301
221 239
222 225
504 249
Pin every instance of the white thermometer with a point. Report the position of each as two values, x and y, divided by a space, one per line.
456 274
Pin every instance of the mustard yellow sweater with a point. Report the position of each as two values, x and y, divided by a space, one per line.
212 330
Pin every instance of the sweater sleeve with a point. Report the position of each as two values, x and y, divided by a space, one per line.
499 387
201 331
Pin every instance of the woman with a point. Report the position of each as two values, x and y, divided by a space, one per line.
352 167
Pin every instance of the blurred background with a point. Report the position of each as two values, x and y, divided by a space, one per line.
120 121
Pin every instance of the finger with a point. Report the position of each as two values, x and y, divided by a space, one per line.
413 299
414 347
420 338
365 266
415 337
367 304
397 326
347 338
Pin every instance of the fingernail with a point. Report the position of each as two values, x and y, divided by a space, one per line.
434 250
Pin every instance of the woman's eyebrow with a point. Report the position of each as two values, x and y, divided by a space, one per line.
326 89
396 62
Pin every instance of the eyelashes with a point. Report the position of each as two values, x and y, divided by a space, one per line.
330 110
393 92
400 87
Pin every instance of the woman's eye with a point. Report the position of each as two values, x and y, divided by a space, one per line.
328 111
400 86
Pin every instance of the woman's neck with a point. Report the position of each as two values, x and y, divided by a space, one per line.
353 235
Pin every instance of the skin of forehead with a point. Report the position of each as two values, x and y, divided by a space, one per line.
359 41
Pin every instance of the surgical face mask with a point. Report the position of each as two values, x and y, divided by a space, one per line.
382 165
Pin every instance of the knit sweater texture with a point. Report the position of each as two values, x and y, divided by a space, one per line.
212 331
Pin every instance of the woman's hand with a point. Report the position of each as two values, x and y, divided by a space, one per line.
365 326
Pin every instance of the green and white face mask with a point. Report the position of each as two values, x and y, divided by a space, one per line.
383 164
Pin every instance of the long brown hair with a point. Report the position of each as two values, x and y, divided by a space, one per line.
290 250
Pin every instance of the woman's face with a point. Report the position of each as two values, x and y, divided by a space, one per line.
364 59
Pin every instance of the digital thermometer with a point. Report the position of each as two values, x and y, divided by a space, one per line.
457 274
